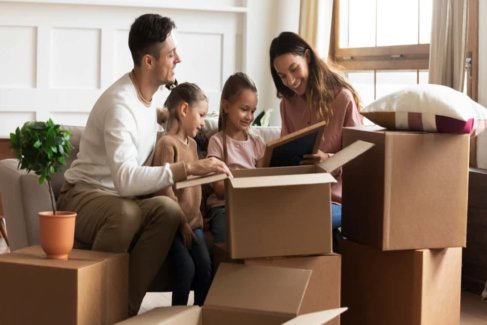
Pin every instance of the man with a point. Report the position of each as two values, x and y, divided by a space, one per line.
107 182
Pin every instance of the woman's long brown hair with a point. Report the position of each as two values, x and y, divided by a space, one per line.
323 83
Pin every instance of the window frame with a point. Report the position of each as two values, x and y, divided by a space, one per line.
398 57
402 57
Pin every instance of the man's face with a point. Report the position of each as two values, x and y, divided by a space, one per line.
164 67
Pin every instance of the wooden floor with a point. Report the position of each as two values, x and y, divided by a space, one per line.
474 311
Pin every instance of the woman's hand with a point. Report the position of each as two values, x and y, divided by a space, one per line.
314 158
187 234
207 165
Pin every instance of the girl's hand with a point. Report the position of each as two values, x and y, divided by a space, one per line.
187 234
314 158
194 223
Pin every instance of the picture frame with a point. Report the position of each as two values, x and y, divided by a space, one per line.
289 149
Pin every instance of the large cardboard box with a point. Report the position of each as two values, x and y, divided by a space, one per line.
89 288
247 294
283 211
408 192
413 287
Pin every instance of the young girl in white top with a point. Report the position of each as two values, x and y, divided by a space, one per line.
234 143
187 106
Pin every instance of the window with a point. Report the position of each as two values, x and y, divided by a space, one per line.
382 44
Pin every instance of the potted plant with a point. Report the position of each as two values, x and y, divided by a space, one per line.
42 147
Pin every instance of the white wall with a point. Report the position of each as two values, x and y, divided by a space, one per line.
483 52
57 56
266 19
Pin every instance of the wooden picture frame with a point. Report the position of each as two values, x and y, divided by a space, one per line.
289 149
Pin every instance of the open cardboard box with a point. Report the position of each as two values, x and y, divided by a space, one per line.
408 192
282 211
323 290
246 294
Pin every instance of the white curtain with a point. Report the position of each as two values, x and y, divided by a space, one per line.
448 43
315 20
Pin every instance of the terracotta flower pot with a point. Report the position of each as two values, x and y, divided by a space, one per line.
57 233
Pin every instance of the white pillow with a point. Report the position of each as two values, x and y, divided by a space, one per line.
425 107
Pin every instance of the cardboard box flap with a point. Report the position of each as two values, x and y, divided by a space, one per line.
258 288
200 180
281 180
316 318
345 155
174 315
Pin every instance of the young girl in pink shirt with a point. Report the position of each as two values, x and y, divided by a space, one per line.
234 143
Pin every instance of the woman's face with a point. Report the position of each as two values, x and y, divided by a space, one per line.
293 71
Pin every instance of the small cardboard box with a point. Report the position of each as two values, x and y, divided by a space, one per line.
284 211
246 294
89 288
408 192
412 287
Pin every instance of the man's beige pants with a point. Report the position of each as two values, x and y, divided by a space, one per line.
144 228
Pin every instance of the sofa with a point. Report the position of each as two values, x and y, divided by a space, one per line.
23 197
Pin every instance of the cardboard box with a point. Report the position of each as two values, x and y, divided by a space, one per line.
413 287
246 294
220 254
89 288
324 285
408 192
283 211
323 290
193 315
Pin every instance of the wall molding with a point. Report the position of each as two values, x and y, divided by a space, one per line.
67 52
191 5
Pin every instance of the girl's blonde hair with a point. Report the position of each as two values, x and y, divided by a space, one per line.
232 89
185 92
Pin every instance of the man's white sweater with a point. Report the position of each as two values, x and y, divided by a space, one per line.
116 146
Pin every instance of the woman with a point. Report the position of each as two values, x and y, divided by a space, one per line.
311 92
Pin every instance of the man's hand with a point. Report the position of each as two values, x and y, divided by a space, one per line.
207 165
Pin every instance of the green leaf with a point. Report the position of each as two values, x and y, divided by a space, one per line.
41 147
